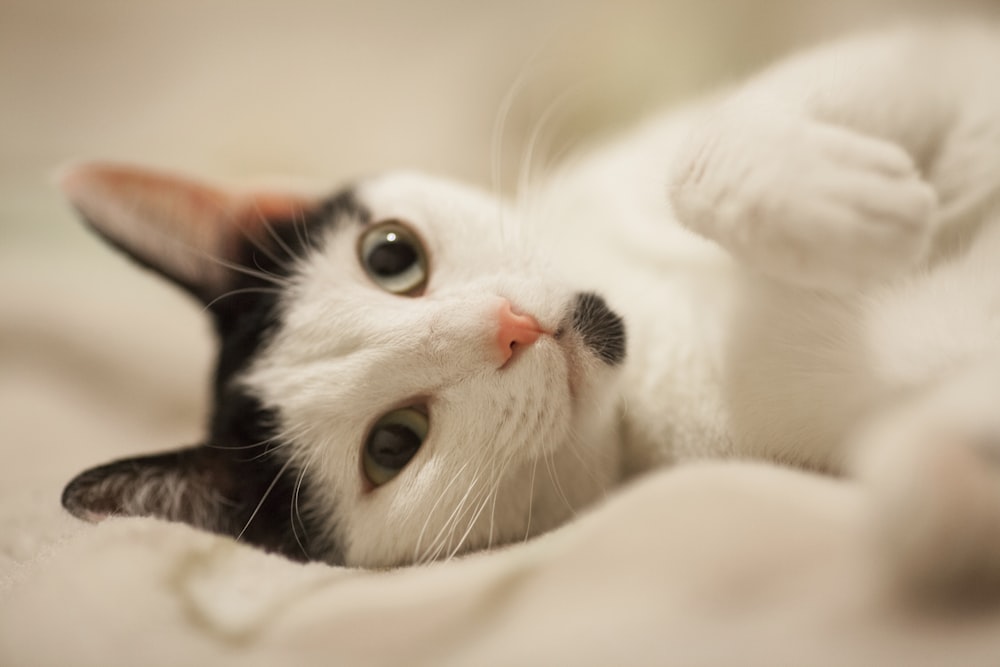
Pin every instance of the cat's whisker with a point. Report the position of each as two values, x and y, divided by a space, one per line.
441 539
480 506
265 271
255 241
480 501
534 141
487 493
306 232
265 222
493 513
270 448
274 442
499 479
294 513
491 500
242 290
554 476
253 273
447 545
500 125
530 70
430 512
492 496
531 499
560 156
499 129
267 493
527 168
253 445
588 467
298 225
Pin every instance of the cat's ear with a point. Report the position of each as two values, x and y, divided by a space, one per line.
183 485
249 497
192 232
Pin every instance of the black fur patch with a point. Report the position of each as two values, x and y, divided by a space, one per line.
240 424
235 483
602 330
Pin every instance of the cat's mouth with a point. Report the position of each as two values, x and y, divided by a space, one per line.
600 328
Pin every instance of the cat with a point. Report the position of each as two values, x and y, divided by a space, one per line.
411 369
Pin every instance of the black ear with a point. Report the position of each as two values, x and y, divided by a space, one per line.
208 488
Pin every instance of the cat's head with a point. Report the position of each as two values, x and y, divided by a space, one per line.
400 376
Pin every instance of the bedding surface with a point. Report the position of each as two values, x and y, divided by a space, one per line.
705 564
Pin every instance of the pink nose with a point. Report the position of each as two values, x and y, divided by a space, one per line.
515 330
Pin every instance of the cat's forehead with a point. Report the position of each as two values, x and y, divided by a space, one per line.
413 195
447 214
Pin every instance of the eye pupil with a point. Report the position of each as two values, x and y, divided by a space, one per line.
393 442
393 445
391 258
394 258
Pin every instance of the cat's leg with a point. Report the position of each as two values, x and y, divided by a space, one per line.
816 172
804 201
932 468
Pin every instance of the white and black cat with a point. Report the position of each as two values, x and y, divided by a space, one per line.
411 369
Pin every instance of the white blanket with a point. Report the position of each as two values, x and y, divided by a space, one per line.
779 570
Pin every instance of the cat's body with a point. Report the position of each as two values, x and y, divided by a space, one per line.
850 196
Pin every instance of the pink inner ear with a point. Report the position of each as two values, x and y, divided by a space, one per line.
188 230
272 206
99 187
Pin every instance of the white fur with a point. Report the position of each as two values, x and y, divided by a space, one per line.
832 257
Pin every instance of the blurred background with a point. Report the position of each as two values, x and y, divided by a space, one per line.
98 359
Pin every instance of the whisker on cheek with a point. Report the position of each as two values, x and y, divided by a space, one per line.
418 555
531 499
295 516
267 493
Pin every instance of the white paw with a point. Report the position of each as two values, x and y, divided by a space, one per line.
807 202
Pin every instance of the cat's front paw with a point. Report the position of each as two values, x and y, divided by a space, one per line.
806 202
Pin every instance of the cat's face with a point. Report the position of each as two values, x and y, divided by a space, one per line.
350 352
422 382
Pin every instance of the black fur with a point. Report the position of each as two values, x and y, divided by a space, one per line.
251 489
602 330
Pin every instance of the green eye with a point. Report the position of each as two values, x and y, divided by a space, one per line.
394 258
392 442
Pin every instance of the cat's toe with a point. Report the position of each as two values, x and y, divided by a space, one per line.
857 210
878 225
